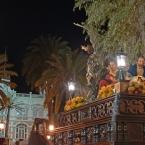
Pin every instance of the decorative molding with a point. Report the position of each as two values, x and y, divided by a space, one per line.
134 106
94 111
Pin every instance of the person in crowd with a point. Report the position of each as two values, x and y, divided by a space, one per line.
37 139
110 77
38 133
137 69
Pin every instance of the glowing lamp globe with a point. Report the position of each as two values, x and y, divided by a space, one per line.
2 126
121 59
48 137
71 86
51 127
121 64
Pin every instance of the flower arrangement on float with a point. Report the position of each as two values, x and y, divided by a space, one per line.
73 103
136 86
106 91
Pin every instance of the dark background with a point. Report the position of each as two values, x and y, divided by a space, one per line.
21 22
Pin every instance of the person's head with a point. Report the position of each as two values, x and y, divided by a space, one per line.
111 65
141 61
41 128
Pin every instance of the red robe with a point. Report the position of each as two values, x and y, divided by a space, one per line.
109 79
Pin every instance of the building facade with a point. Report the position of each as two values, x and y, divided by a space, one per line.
26 108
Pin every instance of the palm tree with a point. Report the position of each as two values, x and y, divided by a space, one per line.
5 72
60 70
5 100
8 101
38 52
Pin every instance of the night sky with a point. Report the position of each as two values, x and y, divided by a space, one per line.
21 22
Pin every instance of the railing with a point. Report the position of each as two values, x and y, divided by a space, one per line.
118 120
95 111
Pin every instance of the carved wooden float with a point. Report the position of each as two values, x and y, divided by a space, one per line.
116 120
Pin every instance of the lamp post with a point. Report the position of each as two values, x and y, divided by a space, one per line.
121 64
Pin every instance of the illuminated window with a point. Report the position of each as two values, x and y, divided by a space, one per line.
21 131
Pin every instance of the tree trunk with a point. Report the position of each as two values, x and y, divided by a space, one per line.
7 123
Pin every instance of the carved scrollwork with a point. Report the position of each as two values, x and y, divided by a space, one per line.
77 136
74 117
65 138
84 114
133 106
90 132
68 119
100 111
93 111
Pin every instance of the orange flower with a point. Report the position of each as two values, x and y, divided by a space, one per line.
74 103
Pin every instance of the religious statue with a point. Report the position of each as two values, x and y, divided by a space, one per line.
110 77
91 75
138 69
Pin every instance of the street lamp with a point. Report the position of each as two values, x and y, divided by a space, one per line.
71 88
121 64
2 126
51 127
48 137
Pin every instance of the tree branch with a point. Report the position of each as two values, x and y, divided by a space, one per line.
79 25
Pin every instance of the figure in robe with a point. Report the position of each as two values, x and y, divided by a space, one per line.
91 75
110 77
138 69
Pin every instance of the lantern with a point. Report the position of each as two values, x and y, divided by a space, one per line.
121 64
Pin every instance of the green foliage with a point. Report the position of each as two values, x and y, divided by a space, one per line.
112 24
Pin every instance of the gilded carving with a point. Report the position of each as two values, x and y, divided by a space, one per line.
133 106
96 111
74 117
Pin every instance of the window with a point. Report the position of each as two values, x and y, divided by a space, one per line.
21 131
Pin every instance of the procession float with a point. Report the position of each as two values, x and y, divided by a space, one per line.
115 117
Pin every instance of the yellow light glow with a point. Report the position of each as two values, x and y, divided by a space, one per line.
2 125
71 86
51 127
48 137
121 61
